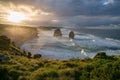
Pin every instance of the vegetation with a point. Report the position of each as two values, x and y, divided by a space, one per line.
37 56
19 67
4 43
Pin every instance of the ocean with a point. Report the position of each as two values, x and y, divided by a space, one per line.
87 43
113 33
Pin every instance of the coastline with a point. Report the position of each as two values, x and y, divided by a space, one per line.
18 34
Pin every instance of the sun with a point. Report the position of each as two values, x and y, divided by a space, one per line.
16 17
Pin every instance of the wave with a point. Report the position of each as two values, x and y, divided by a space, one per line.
84 45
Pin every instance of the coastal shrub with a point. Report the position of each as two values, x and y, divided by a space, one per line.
101 69
40 64
88 68
4 58
37 56
100 55
23 78
78 73
70 64
4 73
68 72
43 74
29 55
14 74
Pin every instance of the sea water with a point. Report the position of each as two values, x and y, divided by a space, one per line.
87 43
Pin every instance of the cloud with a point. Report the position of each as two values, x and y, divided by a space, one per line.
74 7
73 12
79 7
108 2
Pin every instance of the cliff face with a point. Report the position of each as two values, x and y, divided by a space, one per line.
18 34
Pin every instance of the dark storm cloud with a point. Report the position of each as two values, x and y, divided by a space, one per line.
94 12
113 9
80 7
90 20
84 7
74 7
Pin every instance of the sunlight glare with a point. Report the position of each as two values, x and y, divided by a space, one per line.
16 17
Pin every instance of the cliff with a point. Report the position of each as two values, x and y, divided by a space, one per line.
18 34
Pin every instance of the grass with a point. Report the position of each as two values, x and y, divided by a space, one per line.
23 68
20 67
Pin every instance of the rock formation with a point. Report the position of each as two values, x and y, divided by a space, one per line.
57 33
71 35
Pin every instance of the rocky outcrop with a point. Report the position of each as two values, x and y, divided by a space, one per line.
71 35
57 33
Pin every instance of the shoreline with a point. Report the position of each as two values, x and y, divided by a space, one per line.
18 34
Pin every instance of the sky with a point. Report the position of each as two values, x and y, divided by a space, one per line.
63 12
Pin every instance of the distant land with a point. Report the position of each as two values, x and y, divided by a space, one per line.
18 34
